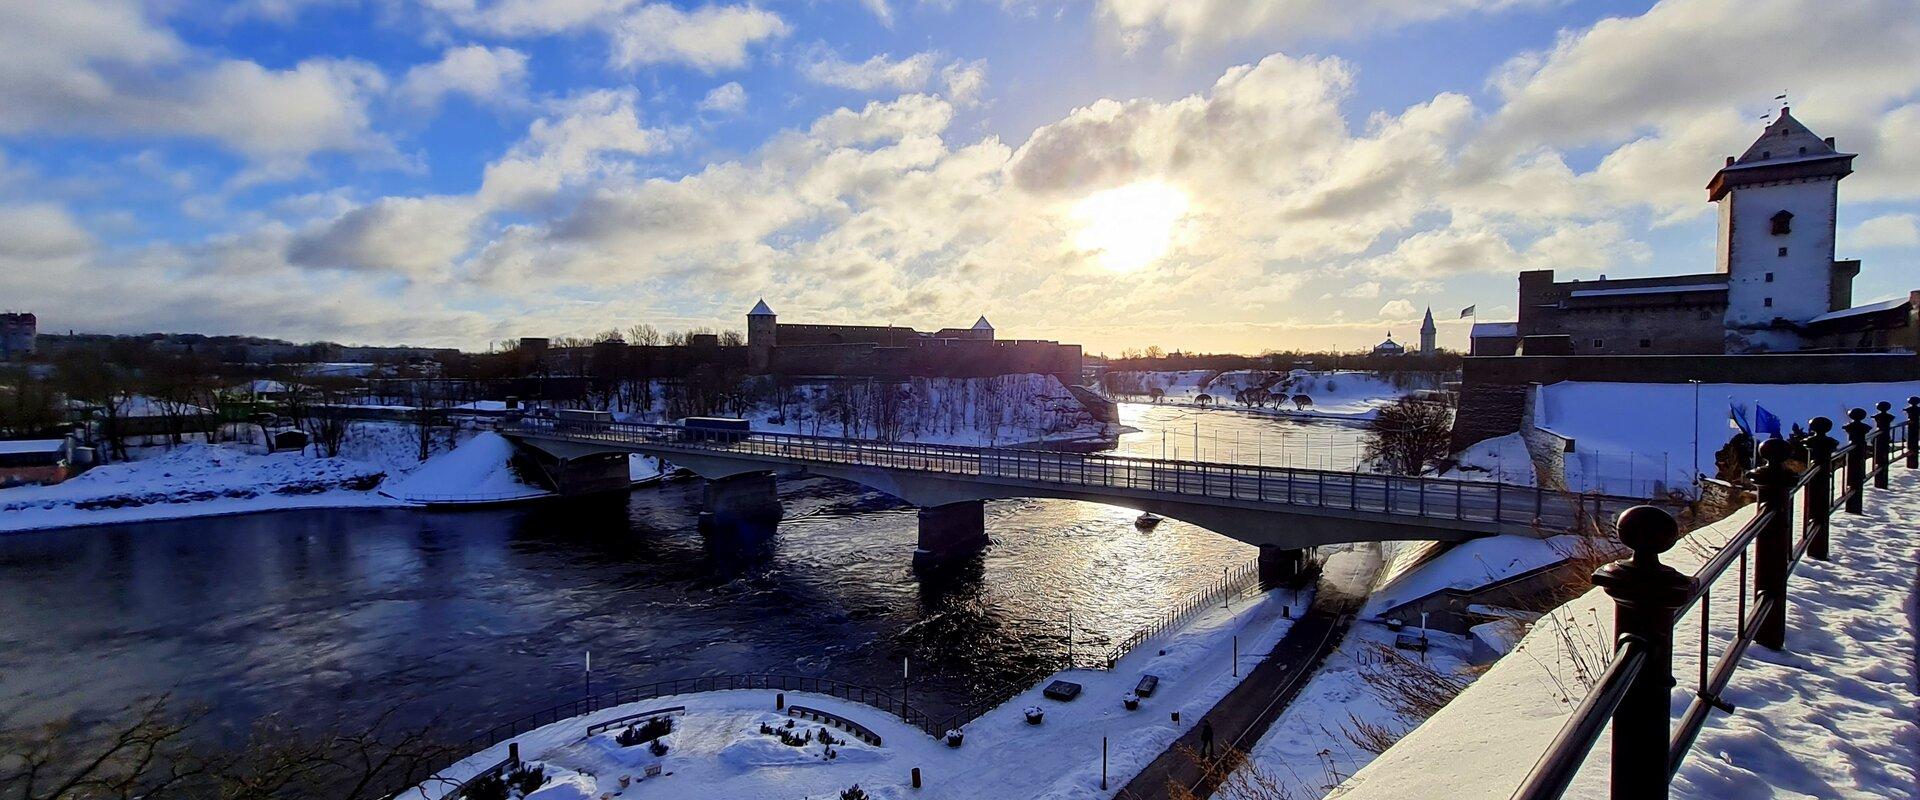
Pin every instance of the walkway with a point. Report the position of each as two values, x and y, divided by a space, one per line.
1240 718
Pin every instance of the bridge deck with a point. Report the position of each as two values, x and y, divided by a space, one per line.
1415 499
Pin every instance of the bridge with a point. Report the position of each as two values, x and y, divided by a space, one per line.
1280 509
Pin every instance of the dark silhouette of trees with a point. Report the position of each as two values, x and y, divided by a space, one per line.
1409 434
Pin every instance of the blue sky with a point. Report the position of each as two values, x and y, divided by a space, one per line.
1197 174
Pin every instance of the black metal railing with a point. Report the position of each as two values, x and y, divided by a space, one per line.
1505 507
1650 598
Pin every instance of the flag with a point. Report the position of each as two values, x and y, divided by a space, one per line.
1736 419
1764 421
1468 311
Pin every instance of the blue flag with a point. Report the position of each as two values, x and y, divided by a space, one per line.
1764 421
1738 419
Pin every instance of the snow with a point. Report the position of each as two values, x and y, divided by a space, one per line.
1870 308
1335 395
1483 330
1468 565
717 750
191 480
1010 409
1833 716
1502 459
40 446
1629 435
475 472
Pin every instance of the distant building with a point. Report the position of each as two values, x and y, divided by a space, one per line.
1777 286
1389 347
17 334
891 350
1428 333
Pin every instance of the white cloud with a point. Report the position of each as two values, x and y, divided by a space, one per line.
879 72
881 11
711 38
727 98
100 68
1887 230
487 75
416 236
1364 290
1398 310
586 137
965 81
40 231
1192 24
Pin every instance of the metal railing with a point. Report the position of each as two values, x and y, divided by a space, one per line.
1650 598
1233 584
1504 506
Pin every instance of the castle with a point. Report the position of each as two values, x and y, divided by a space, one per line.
1776 288
774 347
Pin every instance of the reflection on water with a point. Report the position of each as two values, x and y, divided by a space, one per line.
1241 437
484 615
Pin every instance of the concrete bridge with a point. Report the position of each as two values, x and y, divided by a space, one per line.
1282 510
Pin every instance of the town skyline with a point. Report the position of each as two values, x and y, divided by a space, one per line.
1236 178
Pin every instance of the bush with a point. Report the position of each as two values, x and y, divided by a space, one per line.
526 779
854 792
646 732
487 787
658 748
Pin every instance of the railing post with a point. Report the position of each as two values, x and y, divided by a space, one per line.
1646 595
1882 443
1913 433
1856 459
1819 491
1773 546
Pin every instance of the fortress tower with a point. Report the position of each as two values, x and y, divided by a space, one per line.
762 335
1427 334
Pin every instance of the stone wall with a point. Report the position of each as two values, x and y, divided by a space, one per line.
1762 368
1487 411
948 358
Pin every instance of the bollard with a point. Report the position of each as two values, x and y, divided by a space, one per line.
513 753
1856 459
916 777
1646 595
780 701
1176 717
1913 433
1773 547
1882 443
1103 762
1819 492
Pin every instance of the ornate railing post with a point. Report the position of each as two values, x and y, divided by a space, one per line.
1819 492
1773 546
1913 433
1856 459
1882 443
1646 595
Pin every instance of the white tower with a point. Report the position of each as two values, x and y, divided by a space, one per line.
1427 334
1778 205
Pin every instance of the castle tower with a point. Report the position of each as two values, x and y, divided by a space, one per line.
762 336
1427 334
982 329
1778 204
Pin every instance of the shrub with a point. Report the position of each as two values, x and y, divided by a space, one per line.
646 732
854 792
487 787
526 779
658 748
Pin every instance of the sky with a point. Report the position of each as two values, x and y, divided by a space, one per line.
1200 175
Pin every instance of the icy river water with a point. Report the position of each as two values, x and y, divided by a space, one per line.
334 616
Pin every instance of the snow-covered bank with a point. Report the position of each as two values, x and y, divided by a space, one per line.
479 471
192 480
1330 395
1010 409
1832 716
724 755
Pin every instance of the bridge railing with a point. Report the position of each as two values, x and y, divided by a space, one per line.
1395 495
1650 598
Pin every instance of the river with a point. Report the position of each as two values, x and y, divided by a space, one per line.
330 617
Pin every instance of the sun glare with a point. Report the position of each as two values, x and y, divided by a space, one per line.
1131 226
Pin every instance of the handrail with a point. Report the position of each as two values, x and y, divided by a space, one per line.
1651 598
1555 770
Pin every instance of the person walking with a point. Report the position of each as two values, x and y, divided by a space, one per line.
1206 738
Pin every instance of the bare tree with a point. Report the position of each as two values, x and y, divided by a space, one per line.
1409 434
103 386
643 334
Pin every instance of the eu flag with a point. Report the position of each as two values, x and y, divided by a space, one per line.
1764 422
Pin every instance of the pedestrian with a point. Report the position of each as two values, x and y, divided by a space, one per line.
1206 738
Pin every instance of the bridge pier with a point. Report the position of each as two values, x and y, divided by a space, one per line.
1281 566
590 474
747 499
951 531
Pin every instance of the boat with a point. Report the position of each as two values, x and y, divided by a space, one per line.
1147 519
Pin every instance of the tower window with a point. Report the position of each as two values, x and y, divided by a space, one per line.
1770 275
1783 252
1768 302
1597 342
1783 223
1646 343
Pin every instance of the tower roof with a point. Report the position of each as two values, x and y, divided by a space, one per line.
1427 324
982 324
760 309
1787 149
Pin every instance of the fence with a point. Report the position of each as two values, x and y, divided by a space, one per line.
1650 598
1232 584
1509 508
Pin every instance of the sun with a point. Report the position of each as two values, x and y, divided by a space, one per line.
1130 226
